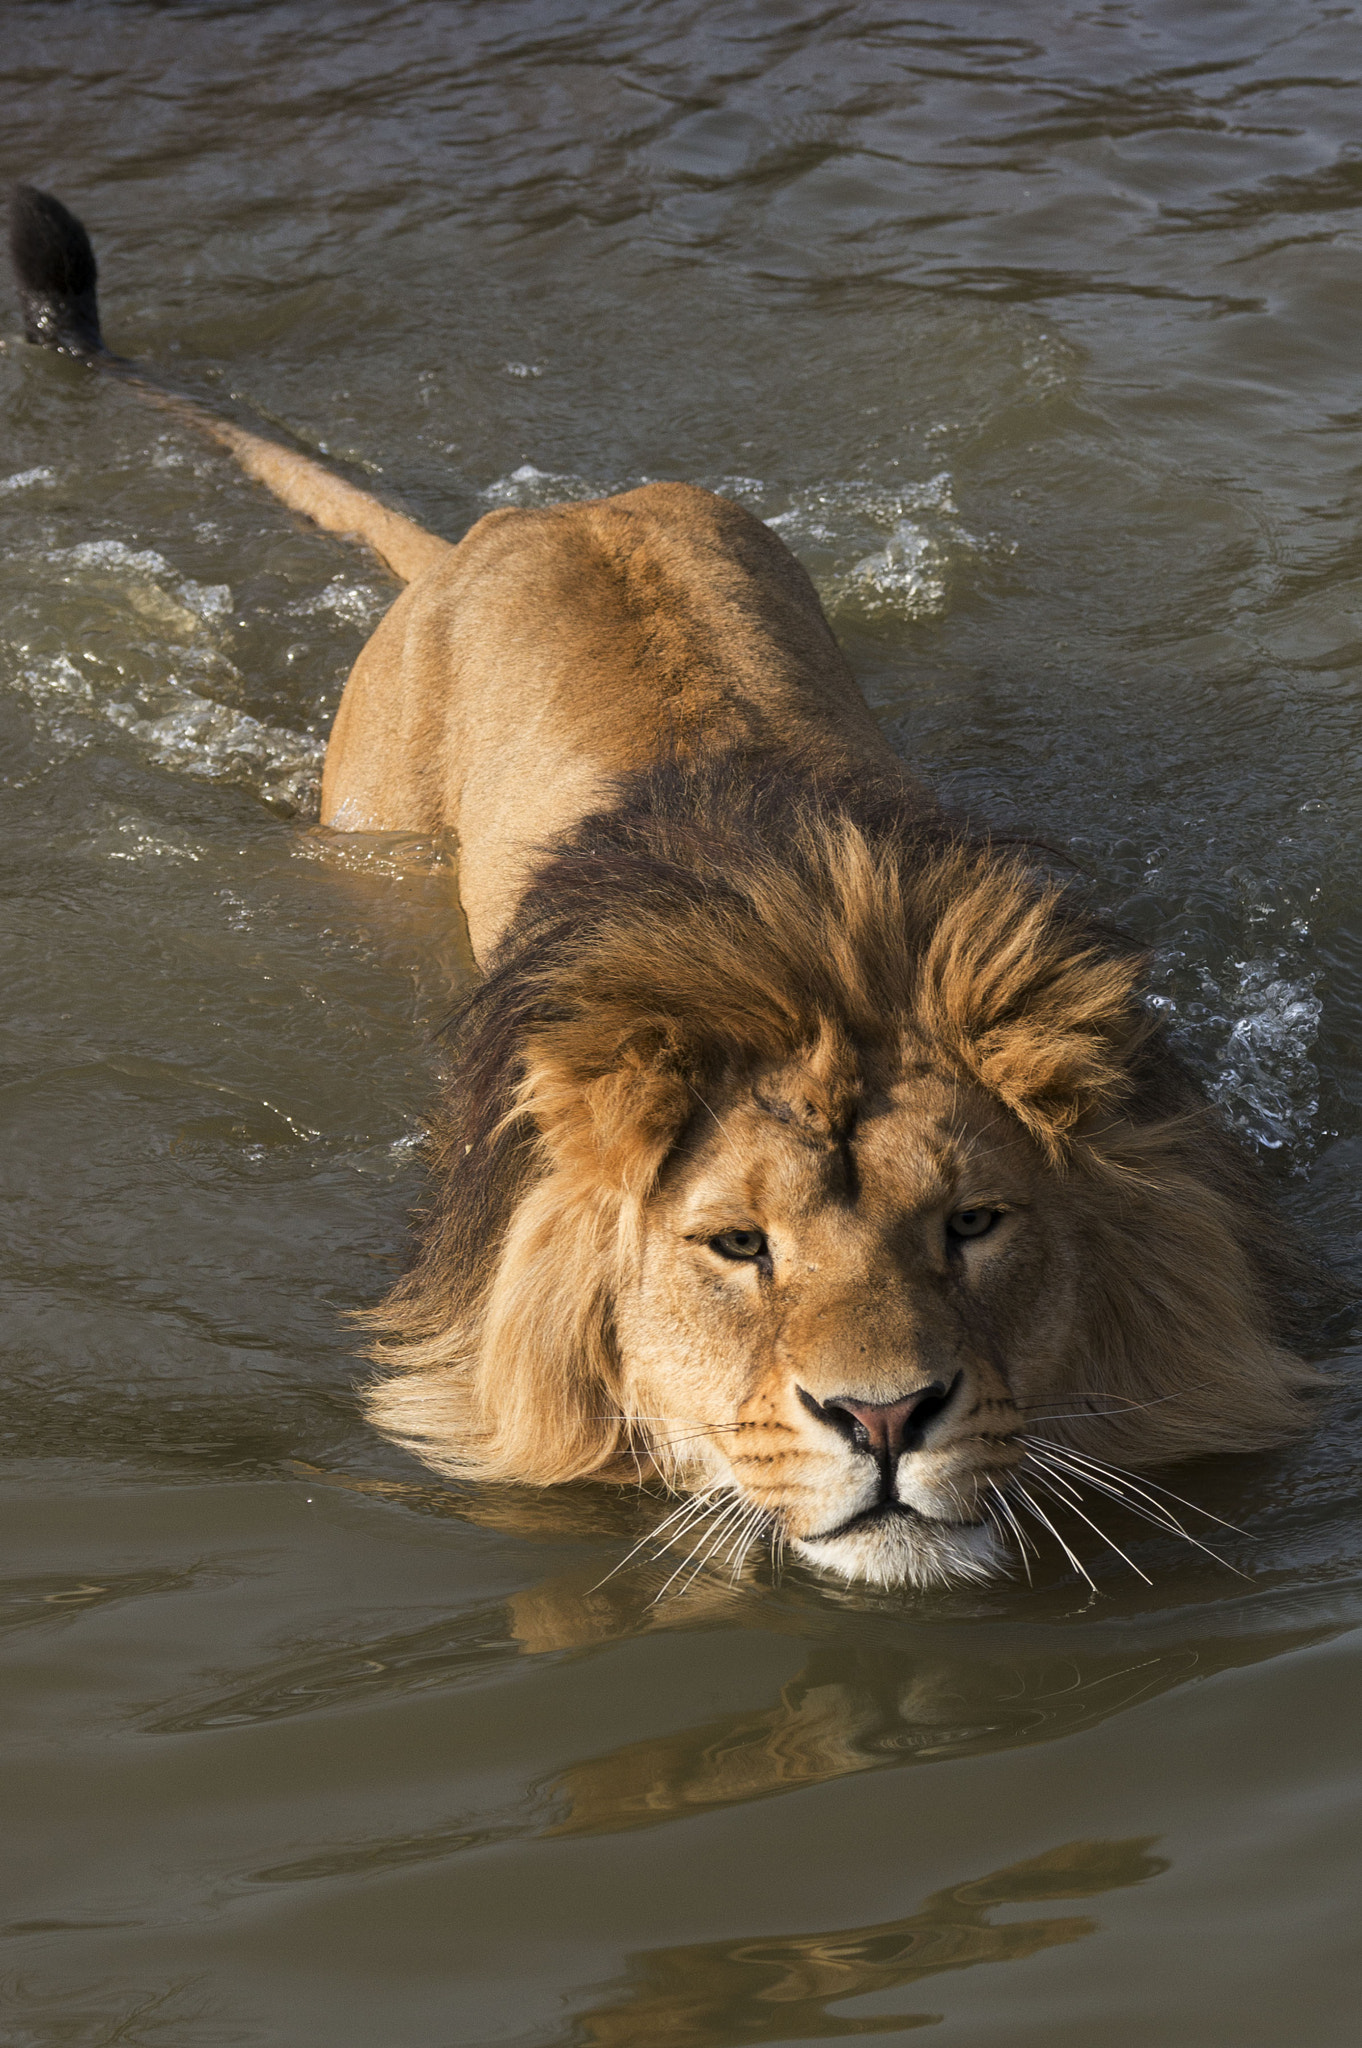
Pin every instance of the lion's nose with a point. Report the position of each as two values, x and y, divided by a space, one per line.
884 1428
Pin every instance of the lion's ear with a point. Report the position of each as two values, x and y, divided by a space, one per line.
1031 1005
608 1115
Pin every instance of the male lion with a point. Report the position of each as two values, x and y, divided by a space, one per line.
796 1148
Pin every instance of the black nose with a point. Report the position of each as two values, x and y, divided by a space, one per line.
884 1428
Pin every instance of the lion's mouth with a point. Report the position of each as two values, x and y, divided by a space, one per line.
882 1512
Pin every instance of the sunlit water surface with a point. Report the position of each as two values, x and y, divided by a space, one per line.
1034 330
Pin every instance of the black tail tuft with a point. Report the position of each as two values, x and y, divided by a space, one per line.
55 268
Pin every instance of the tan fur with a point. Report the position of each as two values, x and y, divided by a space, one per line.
407 548
743 976
304 485
553 651
843 1061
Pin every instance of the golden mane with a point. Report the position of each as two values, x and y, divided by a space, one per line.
733 913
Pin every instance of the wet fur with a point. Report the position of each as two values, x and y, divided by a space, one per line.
747 899
727 915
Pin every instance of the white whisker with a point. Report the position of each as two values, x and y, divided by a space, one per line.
1024 1543
755 1527
729 1140
722 1529
663 1443
1127 1406
1124 1490
1043 1518
1154 1513
737 1549
691 1505
1069 1499
994 1521
1160 1516
724 1515
723 1510
749 1522
1104 1465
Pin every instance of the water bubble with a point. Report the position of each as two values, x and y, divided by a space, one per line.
360 603
1267 1083
25 479
530 486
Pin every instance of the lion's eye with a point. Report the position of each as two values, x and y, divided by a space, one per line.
739 1244
972 1222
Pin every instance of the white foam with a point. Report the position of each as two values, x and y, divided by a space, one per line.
142 574
879 548
869 545
907 574
874 547
220 744
58 686
188 731
386 1161
360 603
112 554
138 841
530 486
175 724
1266 1081
25 479
210 601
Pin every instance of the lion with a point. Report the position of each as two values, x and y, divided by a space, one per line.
798 1150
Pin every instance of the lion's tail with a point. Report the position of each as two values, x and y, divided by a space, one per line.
56 272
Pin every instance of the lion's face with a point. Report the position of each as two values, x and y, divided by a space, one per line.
815 1190
844 1308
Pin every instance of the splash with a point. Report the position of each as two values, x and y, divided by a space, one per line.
25 479
360 604
1249 1030
139 576
1267 1083
888 551
894 551
176 715
213 741
184 730
536 487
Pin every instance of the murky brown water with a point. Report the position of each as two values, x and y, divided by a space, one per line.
1035 332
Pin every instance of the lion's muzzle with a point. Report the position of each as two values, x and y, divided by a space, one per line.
886 1429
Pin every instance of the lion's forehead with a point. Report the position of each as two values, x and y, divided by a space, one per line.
911 1146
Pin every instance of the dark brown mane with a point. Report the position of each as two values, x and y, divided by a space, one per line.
727 912
684 836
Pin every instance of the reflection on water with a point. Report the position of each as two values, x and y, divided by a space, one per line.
880 1688
853 1709
719 1994
856 1707
40 2014
26 1603
1037 341
463 1650
402 1852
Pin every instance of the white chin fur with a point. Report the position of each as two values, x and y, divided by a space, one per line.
902 1552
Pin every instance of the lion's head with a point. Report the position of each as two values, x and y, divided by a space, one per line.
811 1157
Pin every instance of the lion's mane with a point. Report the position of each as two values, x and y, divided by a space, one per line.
739 911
